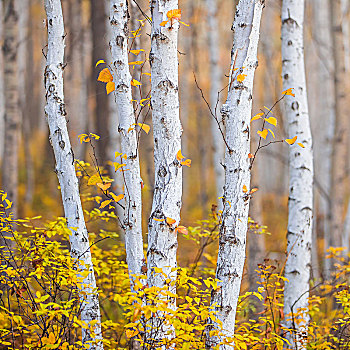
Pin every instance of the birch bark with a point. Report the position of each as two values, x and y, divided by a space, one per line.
162 238
233 231
2 95
12 111
128 139
215 87
55 111
300 206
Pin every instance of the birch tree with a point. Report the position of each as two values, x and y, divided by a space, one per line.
128 138
162 239
2 95
300 205
12 111
215 87
65 170
233 231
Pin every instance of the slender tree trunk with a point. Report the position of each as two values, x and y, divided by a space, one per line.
162 237
340 152
215 87
99 42
237 113
299 236
12 111
56 115
123 97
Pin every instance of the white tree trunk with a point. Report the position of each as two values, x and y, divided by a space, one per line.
162 238
237 112
55 111
133 183
299 236
215 87
12 111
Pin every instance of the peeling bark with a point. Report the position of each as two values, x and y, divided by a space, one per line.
237 113
300 205
65 170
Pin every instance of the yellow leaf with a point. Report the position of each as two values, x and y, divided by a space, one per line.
174 14
105 76
156 219
110 87
289 92
136 52
291 141
263 133
105 203
103 187
170 221
253 190
96 137
245 190
179 155
83 137
94 179
117 198
241 77
135 63
187 162
99 62
135 82
271 120
301 145
52 338
256 117
131 332
146 128
272 133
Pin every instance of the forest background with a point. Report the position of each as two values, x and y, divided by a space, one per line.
90 110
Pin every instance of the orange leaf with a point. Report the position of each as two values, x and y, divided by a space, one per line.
105 76
245 190
289 92
174 14
103 187
110 87
170 221
241 77
182 229
163 23
291 141
179 155
187 162
301 145
250 155
117 198
156 219
146 128
253 190
263 133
